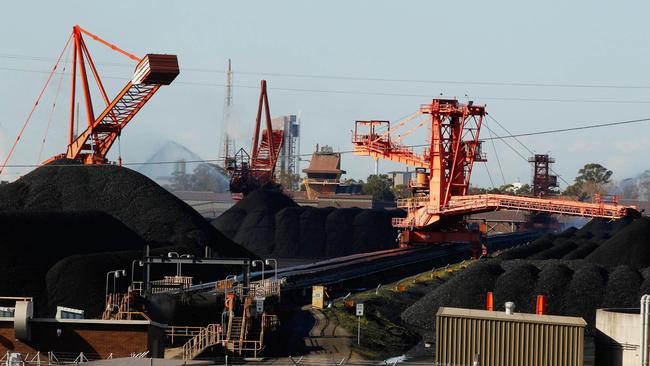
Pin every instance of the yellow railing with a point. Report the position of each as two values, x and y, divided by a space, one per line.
206 337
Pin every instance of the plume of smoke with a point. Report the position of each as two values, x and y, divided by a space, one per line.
239 129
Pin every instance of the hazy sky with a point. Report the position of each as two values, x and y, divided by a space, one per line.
456 48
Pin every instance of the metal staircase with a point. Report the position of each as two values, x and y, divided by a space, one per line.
207 337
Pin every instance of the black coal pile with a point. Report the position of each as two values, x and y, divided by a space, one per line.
622 289
340 228
606 242
313 234
466 289
94 268
585 292
32 242
67 211
525 251
573 288
143 206
267 222
287 231
629 245
516 284
256 231
552 282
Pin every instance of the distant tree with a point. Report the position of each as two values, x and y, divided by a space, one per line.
208 177
401 191
524 190
289 181
476 190
380 187
180 181
592 179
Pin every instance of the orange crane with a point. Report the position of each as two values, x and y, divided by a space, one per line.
435 213
92 144
249 173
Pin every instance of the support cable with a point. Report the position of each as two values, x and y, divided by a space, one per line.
56 97
496 154
526 147
29 117
489 175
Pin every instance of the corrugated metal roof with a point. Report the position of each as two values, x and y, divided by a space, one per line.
516 317
325 163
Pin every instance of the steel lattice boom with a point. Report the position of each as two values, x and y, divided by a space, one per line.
250 172
91 146
436 211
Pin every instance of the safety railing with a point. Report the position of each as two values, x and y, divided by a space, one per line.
462 204
174 332
169 283
60 358
206 337
414 202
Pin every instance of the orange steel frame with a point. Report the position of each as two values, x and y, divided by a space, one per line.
436 213
264 153
92 145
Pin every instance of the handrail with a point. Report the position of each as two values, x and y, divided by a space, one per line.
207 337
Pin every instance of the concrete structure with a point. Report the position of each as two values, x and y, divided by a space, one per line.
401 178
618 332
464 336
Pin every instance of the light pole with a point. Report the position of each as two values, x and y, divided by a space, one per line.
262 262
140 264
116 273
275 266
180 264
174 255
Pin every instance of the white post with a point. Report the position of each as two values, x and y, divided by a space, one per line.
645 322
358 330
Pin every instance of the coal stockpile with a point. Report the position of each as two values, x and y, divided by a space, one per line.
340 232
66 210
32 242
560 248
373 230
552 282
622 289
572 287
313 236
256 231
629 245
287 233
582 250
147 209
89 293
525 251
516 284
466 289
585 292
267 222
606 242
